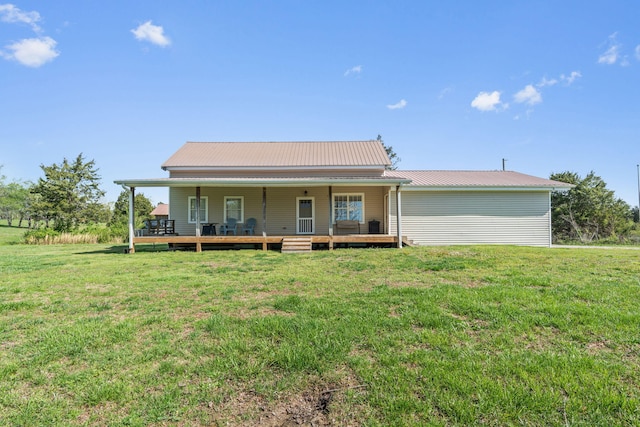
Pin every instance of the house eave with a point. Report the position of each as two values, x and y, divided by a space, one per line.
227 169
261 182
483 188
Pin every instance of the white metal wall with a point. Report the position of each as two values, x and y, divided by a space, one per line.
475 217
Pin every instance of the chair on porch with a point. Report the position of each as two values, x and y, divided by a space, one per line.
229 227
249 226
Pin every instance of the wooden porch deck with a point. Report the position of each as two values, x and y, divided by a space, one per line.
266 241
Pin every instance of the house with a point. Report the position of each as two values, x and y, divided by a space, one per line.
341 192
161 211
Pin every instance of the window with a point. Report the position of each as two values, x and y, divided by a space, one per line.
348 207
204 209
234 208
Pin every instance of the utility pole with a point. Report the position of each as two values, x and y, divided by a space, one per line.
503 163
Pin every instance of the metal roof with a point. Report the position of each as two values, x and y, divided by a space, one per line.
229 155
474 179
161 209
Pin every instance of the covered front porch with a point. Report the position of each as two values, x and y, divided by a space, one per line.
283 243
314 212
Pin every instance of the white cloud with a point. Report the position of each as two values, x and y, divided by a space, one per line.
398 105
152 34
612 54
638 52
571 77
32 52
547 82
529 95
353 70
486 101
11 14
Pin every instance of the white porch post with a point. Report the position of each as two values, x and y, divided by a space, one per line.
550 225
264 212
264 219
330 210
198 211
198 243
132 218
399 216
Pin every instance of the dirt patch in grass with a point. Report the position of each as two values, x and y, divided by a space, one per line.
246 313
320 404
597 347
416 284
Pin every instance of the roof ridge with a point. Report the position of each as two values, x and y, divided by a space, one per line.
281 142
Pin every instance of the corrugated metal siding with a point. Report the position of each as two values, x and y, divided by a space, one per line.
452 218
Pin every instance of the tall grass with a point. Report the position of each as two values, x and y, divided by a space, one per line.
68 238
47 236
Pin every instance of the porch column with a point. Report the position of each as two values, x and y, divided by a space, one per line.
132 218
198 244
330 210
264 218
399 216
330 218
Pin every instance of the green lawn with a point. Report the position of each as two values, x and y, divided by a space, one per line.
419 336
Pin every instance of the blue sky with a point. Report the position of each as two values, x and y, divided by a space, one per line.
550 86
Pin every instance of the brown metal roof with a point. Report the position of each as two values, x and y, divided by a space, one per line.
161 209
278 154
433 178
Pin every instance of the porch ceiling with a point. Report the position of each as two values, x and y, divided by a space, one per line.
263 182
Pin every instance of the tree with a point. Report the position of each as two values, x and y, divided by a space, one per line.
392 155
69 193
143 207
589 211
13 202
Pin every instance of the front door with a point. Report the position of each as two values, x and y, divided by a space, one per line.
305 214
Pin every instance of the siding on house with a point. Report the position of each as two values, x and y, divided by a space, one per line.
467 217
281 206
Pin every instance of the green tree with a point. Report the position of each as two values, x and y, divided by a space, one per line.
589 211
69 193
392 155
13 202
143 207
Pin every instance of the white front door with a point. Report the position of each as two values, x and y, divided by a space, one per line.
305 214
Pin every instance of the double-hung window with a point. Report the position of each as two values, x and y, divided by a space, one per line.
204 209
234 208
348 207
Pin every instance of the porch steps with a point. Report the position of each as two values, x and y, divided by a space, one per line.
296 244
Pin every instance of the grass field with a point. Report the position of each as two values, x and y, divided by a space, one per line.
419 336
